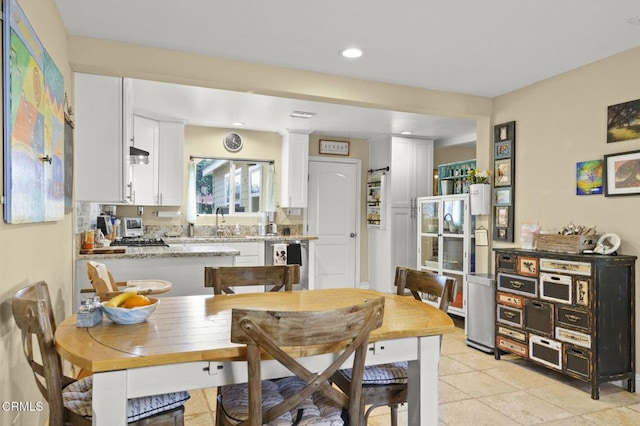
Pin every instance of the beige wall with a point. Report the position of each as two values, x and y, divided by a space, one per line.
562 121
33 252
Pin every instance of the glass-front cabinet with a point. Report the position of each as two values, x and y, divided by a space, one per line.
444 242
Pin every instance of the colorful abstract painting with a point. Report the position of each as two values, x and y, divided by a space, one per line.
34 125
589 177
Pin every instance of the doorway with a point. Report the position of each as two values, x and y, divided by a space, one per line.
333 214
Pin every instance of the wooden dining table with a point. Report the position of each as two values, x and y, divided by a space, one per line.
185 345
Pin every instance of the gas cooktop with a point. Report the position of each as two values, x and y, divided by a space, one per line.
140 242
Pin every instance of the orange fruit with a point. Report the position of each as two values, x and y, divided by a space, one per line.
137 300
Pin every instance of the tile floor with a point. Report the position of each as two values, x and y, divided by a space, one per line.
475 389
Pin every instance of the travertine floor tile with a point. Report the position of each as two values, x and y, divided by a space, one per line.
519 377
200 419
476 359
447 393
621 416
472 412
449 366
574 400
197 403
525 408
478 384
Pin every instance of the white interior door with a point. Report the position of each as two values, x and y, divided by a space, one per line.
332 215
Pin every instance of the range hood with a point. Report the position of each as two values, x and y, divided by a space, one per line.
138 156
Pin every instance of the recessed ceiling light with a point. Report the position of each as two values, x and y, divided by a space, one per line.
302 114
406 132
238 123
351 52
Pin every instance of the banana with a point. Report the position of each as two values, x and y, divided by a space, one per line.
120 299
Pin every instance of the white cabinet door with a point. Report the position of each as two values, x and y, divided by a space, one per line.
145 176
99 144
295 170
171 164
403 178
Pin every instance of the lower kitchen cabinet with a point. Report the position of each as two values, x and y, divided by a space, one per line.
569 312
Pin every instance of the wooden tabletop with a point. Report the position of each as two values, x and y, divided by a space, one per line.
196 328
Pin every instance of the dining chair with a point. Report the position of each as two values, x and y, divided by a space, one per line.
102 281
386 384
308 396
69 399
221 278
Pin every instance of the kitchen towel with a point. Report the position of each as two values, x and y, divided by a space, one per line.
294 255
280 254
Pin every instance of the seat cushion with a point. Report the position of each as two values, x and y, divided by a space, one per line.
316 409
383 374
77 398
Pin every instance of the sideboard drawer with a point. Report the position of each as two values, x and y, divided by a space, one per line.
539 317
510 316
512 334
510 300
577 361
511 346
518 284
545 351
575 318
506 262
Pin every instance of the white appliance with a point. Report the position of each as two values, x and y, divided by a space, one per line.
131 227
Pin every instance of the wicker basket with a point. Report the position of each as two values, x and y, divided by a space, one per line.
566 243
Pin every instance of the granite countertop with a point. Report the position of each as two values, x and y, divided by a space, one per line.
192 247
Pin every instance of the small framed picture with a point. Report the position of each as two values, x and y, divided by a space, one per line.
504 131
502 217
622 174
527 266
502 149
502 196
502 172
502 234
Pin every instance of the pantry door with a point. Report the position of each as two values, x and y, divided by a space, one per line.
333 211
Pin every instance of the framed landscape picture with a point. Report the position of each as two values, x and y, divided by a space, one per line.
622 174
623 121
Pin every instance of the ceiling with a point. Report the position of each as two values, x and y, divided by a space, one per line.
484 48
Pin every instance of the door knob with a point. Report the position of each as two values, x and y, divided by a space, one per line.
353 235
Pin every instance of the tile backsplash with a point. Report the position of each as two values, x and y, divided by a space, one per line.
86 216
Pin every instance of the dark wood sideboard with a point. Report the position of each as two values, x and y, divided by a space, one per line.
569 312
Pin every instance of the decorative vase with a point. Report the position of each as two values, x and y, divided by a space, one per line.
480 198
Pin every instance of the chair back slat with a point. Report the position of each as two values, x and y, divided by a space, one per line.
269 332
426 282
223 277
33 313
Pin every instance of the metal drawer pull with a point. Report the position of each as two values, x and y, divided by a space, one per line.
537 305
572 318
516 284
509 315
577 352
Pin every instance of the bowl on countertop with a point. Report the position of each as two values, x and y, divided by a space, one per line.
130 315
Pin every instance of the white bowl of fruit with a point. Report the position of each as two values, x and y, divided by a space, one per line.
129 308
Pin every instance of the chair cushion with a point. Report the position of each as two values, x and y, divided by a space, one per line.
317 409
383 374
77 398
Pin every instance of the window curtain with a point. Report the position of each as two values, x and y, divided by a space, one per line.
270 190
191 193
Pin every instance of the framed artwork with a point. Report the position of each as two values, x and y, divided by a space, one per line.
502 149
502 172
622 174
589 177
502 217
68 164
623 121
504 164
502 196
334 147
527 266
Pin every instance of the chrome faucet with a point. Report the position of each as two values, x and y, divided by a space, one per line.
218 230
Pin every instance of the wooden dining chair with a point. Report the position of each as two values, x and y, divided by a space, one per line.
221 278
69 399
386 384
308 396
102 281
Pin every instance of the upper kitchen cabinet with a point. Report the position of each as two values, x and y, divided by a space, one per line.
411 171
160 182
295 170
102 139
